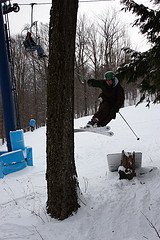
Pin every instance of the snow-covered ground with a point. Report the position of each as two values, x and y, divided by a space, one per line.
111 209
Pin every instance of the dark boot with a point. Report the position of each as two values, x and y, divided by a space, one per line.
92 123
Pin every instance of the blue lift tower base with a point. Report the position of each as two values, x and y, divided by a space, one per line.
18 156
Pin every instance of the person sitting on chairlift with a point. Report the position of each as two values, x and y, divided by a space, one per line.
30 45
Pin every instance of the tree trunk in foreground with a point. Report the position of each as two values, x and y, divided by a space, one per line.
62 183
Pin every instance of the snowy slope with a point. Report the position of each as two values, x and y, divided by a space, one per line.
111 209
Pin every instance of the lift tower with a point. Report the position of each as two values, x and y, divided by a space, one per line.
5 82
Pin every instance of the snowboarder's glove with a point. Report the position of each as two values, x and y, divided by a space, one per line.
90 81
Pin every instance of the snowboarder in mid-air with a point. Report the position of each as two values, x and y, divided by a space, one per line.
111 99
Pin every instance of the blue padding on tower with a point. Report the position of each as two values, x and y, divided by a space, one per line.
18 158
2 152
1 170
29 156
13 161
17 140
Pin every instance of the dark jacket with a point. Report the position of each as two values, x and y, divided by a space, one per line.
113 95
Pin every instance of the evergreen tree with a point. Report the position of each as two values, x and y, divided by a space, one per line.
143 68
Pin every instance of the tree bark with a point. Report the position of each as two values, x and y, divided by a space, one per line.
62 183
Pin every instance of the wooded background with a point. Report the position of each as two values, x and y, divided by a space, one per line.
99 48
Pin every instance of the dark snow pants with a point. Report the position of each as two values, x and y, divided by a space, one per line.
104 114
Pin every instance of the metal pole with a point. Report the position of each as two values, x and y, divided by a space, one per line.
129 126
5 80
32 5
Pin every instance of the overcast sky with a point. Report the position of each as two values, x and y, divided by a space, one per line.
91 9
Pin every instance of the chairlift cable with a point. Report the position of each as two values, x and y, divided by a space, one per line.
42 3
84 1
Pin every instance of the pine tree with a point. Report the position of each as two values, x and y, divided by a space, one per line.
143 68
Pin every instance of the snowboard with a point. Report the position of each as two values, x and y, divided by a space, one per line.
99 130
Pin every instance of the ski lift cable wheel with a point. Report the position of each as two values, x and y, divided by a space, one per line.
8 7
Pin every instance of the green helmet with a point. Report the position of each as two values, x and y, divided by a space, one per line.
109 75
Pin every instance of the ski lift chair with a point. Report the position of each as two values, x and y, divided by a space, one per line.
28 47
29 44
